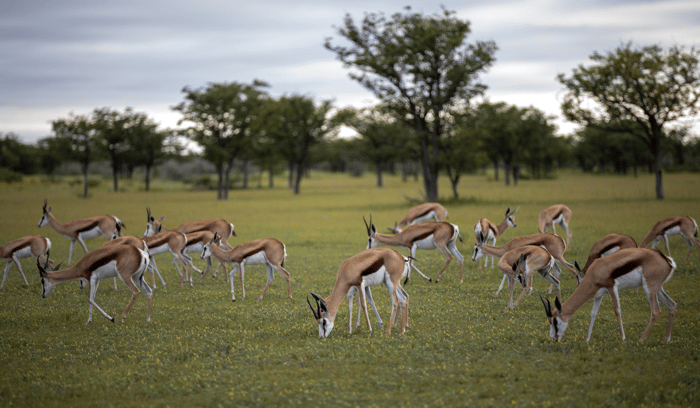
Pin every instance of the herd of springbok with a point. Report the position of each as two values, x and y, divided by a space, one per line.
615 262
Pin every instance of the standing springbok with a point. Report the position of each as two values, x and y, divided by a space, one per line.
428 235
556 214
552 243
265 251
78 230
684 226
493 231
125 261
138 243
35 246
519 264
607 245
217 225
370 267
420 213
173 242
625 269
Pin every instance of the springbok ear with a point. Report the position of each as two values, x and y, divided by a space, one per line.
578 268
58 266
557 304
516 210
50 208
515 267
507 211
161 219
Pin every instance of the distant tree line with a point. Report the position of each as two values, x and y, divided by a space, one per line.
635 105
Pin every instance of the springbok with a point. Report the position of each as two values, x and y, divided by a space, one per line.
125 261
519 265
493 231
556 214
265 251
607 245
420 213
217 225
427 235
625 269
370 267
33 246
684 226
78 230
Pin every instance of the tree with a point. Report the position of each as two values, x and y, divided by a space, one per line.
111 139
462 148
298 124
221 114
380 138
418 66
146 143
636 88
17 156
78 134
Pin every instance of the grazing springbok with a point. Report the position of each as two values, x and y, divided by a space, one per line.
125 261
556 214
217 225
607 245
265 251
370 267
625 269
79 230
519 264
420 213
427 235
684 226
493 231
552 243
33 246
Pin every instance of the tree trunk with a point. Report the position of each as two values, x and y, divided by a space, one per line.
271 175
297 182
148 177
245 172
495 170
378 167
506 170
114 179
220 182
85 179
658 160
516 175
291 174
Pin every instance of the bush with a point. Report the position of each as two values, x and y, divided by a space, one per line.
9 176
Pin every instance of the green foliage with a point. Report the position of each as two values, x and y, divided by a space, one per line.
462 348
420 67
637 91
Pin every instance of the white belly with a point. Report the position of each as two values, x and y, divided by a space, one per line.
376 278
158 250
257 259
426 243
673 231
90 234
631 280
610 251
25 252
429 216
108 270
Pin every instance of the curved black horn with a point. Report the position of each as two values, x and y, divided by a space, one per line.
367 226
316 313
213 239
547 306
46 202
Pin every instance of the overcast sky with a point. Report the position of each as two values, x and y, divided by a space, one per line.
58 57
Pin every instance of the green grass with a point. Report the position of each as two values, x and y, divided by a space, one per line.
462 346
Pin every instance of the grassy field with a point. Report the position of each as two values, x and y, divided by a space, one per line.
462 346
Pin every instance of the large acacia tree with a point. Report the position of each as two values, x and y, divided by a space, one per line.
633 89
420 67
78 136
